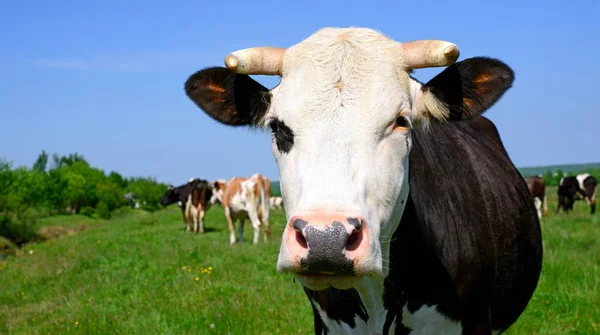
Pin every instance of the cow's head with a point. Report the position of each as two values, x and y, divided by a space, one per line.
218 187
170 197
340 121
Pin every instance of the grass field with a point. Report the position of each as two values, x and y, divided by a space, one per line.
139 273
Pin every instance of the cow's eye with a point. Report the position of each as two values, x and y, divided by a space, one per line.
402 121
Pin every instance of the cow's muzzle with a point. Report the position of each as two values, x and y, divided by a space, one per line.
322 247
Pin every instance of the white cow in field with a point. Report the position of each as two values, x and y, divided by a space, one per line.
276 202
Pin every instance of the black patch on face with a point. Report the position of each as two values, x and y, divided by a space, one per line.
284 136
326 250
340 306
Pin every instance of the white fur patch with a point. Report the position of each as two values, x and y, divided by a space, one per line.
428 321
538 206
341 328
580 178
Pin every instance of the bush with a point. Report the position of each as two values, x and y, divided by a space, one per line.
147 192
6 247
111 195
103 211
87 211
19 232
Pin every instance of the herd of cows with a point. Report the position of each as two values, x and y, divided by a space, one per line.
241 199
405 214
570 189
250 198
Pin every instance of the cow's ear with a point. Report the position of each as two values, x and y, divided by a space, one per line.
229 98
464 90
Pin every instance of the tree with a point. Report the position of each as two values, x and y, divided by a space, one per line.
116 178
41 162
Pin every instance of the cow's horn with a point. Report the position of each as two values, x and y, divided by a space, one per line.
261 60
429 53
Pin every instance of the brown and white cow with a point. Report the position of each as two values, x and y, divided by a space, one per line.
194 200
218 187
537 188
405 213
245 198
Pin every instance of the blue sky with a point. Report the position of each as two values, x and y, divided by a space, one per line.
105 79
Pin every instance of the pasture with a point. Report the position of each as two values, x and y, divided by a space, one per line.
140 273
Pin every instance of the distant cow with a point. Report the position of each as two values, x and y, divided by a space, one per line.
218 188
575 188
194 200
131 201
537 188
245 198
276 202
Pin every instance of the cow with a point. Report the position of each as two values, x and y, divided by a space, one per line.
130 200
537 188
574 188
218 188
245 198
194 200
276 202
405 214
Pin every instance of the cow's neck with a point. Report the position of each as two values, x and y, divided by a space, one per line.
360 310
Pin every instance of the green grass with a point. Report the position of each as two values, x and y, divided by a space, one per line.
140 273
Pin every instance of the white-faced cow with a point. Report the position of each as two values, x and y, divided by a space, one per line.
194 200
218 187
245 198
405 213
537 188
574 188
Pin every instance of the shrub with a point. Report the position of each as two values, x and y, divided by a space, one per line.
103 211
6 247
87 211
21 231
147 192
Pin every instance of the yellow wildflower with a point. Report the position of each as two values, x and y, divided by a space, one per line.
196 279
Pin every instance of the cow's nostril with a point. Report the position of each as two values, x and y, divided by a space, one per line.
355 223
301 240
354 240
299 224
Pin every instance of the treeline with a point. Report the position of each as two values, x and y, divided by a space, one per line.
68 185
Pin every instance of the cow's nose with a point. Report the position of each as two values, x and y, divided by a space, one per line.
329 243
